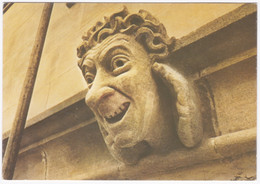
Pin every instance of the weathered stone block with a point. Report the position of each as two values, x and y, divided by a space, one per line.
234 90
60 91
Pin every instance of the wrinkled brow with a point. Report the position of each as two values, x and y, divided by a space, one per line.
95 56
120 45
113 51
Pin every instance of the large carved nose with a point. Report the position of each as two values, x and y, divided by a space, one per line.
97 94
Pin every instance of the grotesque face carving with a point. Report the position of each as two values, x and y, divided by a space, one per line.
134 112
122 93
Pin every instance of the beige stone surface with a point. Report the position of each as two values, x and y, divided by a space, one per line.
234 90
39 99
178 18
65 30
68 157
59 89
37 165
8 117
241 167
82 154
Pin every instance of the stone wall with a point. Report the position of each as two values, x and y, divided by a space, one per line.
58 77
62 139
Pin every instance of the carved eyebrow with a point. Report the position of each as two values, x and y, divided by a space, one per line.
115 50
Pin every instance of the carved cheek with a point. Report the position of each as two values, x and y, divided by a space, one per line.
128 82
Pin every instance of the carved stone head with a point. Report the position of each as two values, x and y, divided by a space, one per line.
142 105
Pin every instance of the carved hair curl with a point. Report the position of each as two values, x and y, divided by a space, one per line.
147 30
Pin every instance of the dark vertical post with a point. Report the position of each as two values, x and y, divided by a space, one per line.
15 136
7 6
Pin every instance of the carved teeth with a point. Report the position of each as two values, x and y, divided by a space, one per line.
118 111
118 114
113 107
123 106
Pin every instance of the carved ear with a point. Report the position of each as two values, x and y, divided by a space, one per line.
189 125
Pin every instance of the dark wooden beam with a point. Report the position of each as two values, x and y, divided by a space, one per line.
69 5
7 6
13 144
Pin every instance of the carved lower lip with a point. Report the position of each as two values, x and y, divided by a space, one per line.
119 116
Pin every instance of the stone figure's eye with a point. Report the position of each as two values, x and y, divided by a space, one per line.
118 62
89 78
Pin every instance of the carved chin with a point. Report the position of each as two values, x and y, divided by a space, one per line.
113 110
124 139
124 149
132 155
116 112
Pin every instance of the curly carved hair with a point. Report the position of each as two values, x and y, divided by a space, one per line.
148 31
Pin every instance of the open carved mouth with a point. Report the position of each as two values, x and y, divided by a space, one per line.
113 107
118 114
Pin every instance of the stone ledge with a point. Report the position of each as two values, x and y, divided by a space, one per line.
216 25
216 41
66 116
51 111
221 147
251 53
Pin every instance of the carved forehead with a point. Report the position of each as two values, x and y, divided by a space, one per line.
115 41
146 29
